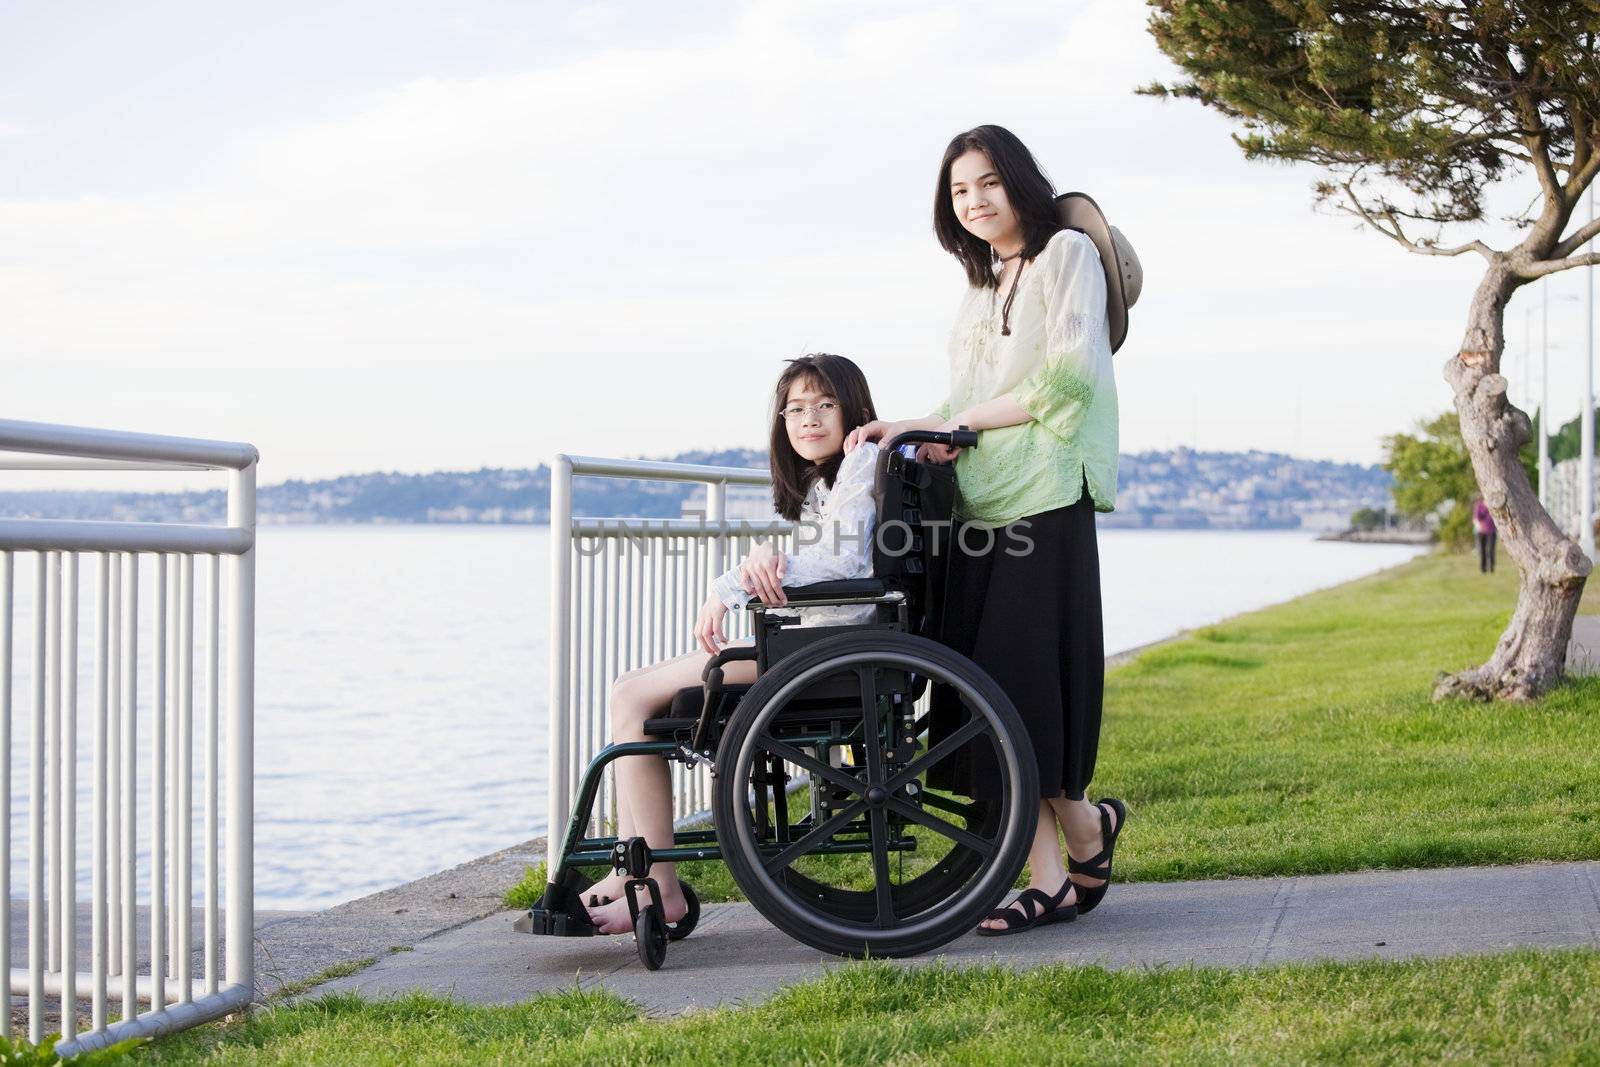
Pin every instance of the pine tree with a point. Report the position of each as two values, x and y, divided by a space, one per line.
1413 109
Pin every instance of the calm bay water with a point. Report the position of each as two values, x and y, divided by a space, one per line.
401 681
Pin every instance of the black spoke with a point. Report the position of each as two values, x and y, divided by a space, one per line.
880 868
981 846
822 832
867 676
938 752
793 755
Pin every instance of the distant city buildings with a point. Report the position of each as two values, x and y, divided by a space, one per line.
1242 490
1179 489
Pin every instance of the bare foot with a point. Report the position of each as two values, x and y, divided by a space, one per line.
614 918
606 889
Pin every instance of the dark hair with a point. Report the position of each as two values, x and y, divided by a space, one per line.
1028 190
792 473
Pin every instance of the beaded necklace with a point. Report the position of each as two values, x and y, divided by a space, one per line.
1016 279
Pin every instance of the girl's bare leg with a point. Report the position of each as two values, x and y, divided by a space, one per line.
1080 823
644 783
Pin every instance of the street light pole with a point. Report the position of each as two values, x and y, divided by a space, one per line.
1586 416
1527 358
1544 396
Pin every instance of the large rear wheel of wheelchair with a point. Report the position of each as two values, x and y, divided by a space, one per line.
885 864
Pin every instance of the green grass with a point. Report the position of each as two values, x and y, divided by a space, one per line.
1519 1007
327 974
1301 739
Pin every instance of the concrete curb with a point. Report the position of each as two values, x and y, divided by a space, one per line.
297 948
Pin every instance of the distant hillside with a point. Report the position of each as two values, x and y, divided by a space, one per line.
1180 488
489 495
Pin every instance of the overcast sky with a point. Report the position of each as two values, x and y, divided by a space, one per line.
374 235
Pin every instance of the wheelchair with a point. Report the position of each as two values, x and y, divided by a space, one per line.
874 792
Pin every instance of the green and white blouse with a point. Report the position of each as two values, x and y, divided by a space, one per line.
1056 364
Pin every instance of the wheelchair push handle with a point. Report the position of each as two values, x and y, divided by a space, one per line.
962 438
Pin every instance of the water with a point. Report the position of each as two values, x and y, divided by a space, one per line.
401 681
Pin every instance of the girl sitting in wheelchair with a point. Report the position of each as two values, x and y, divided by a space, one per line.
819 399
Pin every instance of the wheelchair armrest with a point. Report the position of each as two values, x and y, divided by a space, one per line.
727 655
827 592
842 591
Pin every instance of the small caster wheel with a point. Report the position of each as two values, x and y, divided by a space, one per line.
650 935
685 926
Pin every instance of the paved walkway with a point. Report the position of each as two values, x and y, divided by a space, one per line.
461 946
736 956
1583 651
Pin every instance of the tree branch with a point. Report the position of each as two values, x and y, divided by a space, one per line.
1396 234
1538 268
1586 163
1577 240
1534 131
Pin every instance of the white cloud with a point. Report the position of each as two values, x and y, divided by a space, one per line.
650 230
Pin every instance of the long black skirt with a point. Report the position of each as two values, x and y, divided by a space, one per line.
1030 618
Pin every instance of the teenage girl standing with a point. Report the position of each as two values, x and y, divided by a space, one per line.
1030 367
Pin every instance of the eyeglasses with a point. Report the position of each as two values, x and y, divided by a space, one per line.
799 411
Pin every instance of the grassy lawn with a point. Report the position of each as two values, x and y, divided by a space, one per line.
1301 739
1520 1007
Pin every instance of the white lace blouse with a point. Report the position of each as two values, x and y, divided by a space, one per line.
1056 364
833 541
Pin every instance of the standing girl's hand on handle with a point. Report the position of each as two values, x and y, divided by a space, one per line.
941 453
876 430
882 431
762 573
708 632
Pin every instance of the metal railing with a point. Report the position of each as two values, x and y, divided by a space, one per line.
137 582
624 593
1566 495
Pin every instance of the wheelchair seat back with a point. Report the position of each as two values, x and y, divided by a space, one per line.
915 505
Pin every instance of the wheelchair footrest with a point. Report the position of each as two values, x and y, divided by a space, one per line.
559 913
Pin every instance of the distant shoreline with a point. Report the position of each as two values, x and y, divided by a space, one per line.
1380 537
1171 490
1374 537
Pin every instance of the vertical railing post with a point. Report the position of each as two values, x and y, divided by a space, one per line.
183 844
240 964
37 917
213 718
52 749
559 712
98 941
717 514
67 814
7 604
127 782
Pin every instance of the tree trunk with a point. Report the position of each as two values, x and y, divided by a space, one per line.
1531 655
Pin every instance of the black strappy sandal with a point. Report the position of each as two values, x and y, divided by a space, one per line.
1099 865
1018 919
